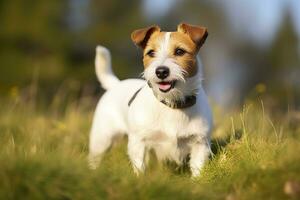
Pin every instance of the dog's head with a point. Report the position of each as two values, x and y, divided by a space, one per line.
170 59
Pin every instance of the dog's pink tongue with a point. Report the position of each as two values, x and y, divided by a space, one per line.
164 86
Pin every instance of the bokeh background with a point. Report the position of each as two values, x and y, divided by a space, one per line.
252 52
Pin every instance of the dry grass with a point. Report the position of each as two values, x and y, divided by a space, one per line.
43 156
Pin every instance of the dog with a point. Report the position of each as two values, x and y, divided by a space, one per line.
168 111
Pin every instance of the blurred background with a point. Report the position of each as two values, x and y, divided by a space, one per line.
252 52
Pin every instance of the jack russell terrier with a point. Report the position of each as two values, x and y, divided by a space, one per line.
167 112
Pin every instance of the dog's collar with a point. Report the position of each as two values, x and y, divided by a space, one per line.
188 101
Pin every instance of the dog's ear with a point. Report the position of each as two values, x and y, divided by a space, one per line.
141 36
197 33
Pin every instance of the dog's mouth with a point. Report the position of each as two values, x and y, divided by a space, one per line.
166 86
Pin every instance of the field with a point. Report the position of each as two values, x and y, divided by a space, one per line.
43 152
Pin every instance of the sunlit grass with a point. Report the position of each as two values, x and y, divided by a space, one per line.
43 156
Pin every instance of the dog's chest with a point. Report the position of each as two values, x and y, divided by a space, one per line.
158 123
153 121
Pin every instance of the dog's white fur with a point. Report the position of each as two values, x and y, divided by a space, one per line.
172 133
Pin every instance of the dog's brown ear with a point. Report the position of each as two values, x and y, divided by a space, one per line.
141 36
197 33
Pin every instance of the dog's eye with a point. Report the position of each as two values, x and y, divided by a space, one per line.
179 52
151 53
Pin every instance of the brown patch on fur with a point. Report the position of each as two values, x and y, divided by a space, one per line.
188 60
197 33
141 36
177 40
188 37
153 43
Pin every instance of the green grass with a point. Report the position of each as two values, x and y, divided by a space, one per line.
43 156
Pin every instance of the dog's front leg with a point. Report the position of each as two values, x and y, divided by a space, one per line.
199 154
136 152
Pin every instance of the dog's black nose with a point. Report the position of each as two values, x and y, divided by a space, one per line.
162 72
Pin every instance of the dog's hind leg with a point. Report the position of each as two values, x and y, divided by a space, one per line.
101 138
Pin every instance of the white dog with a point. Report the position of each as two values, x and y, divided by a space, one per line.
167 112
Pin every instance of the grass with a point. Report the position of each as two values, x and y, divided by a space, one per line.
43 156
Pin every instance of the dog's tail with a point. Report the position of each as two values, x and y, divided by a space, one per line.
103 68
